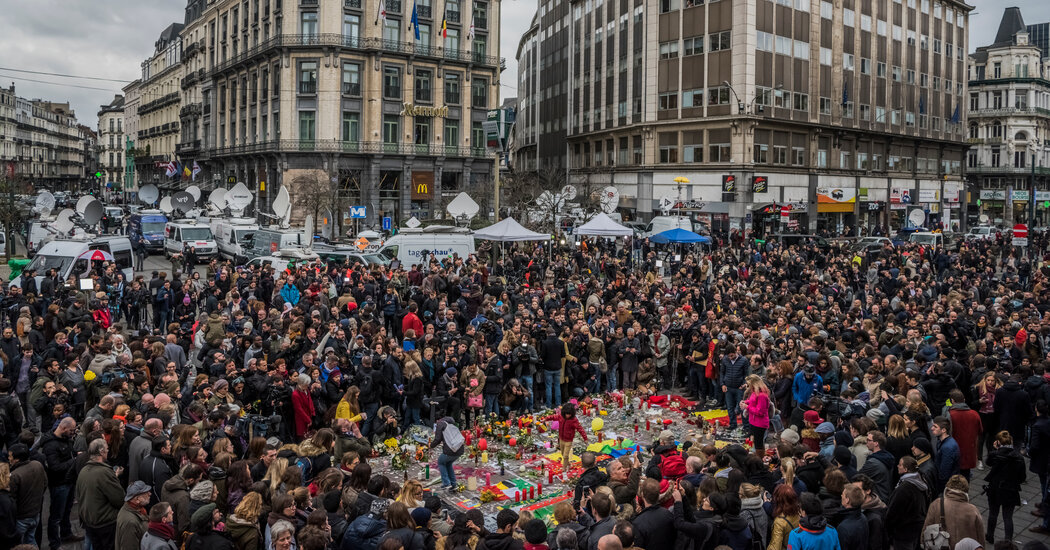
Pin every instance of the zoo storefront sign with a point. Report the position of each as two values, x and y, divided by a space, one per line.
408 109
836 199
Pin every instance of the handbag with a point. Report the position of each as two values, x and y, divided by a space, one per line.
934 537
475 401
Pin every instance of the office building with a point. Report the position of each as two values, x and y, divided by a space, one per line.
41 142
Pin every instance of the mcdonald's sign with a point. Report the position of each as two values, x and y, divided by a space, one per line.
422 186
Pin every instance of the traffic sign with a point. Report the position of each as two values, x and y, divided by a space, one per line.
785 214
1020 231
387 224
1020 241
358 212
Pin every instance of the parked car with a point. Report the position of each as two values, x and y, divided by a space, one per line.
870 244
981 233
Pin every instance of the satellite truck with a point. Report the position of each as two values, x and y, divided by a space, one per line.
184 230
268 240
233 233
76 255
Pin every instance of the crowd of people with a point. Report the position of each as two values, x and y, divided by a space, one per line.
237 408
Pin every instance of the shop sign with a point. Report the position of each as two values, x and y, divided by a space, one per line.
993 195
728 184
408 109
900 195
1019 195
1042 195
836 195
863 194
872 206
759 184
422 186
929 195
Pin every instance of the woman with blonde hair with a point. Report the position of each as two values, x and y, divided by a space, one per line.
413 393
756 403
986 389
274 474
411 494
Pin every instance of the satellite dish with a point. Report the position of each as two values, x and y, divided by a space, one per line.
550 200
165 205
568 192
82 203
149 194
64 222
45 202
182 201
238 198
282 205
610 199
984 218
412 223
194 191
217 198
91 213
666 203
917 217
463 205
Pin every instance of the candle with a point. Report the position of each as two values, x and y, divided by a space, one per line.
539 488
517 496
647 426
550 477
532 493
466 438
636 428
428 470
488 479
484 456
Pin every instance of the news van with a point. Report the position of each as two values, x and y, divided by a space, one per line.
234 237
71 257
182 234
268 240
148 225
414 246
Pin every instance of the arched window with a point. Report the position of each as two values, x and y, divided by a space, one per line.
997 130
1020 136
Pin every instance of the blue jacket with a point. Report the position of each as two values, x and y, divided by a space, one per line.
732 372
364 533
290 293
802 390
803 539
947 460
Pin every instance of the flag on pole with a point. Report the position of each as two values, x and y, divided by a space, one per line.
955 115
186 171
845 92
196 170
380 11
169 169
415 20
470 33
444 28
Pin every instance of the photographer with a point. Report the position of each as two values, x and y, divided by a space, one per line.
523 362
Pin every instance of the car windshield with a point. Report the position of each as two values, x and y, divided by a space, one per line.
42 264
244 235
196 234
375 259
153 228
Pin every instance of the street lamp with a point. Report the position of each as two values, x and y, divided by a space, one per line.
749 109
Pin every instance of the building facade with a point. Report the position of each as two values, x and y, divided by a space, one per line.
342 96
160 100
112 143
849 114
41 141
1008 127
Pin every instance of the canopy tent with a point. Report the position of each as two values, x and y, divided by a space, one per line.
509 230
604 226
679 235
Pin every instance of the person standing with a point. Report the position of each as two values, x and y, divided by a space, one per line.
567 428
100 497
813 532
734 368
450 452
966 429
947 456
57 447
551 352
907 507
1005 476
756 401
132 520
28 481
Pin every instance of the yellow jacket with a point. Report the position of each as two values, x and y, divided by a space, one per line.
342 410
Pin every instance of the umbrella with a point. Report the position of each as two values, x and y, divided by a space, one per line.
679 235
99 255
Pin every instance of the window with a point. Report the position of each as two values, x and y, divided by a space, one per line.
862 161
392 30
421 132
997 70
351 29
452 41
718 96
822 158
479 93
972 133
897 32
880 27
668 147
911 37
880 69
936 83
719 152
924 42
761 153
668 49
996 157
351 126
391 82
847 61
783 45
307 126
825 105
692 98
668 101
1021 99
801 102
801 50
692 147
780 154
352 79
668 5
910 76
764 41
896 73
825 56
424 79
802 5
925 6
880 114
719 41
798 156
451 133
909 118
452 88
865 66
308 23
895 117
695 45
865 23
924 80
782 99
865 112
391 129
848 17
845 160
997 100
307 77
763 96
826 10
997 130
937 45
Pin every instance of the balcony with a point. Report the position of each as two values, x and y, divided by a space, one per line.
423 94
1010 111
1040 171
352 88
308 87
188 147
392 92
159 103
352 4
340 146
308 3
452 16
393 6
424 12
191 110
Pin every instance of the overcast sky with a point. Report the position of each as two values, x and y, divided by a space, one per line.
110 38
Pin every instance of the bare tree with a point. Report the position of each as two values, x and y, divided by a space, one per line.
314 195
533 196
11 215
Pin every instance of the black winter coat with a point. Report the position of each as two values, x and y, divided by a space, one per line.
1005 476
58 451
907 509
654 528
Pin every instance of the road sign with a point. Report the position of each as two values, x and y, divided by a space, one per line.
785 214
1020 241
387 224
358 212
1020 231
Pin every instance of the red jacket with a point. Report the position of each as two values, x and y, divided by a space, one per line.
966 428
303 406
567 428
411 321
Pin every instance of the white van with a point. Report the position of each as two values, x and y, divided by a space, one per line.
180 234
268 240
414 246
659 224
233 236
71 257
280 260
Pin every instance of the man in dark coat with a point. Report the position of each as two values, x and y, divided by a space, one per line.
878 465
907 508
155 469
590 479
853 527
654 524
57 447
1013 406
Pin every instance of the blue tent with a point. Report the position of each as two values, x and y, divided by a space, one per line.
679 235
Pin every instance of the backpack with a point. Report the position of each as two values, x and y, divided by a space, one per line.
453 437
365 384
306 465
672 466
934 537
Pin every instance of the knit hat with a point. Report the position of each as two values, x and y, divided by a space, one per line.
875 414
843 456
451 372
379 507
535 531
825 428
421 516
221 383
201 517
202 491
923 444
789 436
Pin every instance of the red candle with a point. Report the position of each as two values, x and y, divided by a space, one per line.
517 496
488 479
466 438
520 422
550 477
539 488
532 493
636 428
647 426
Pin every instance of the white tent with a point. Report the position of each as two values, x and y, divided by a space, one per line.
604 226
509 230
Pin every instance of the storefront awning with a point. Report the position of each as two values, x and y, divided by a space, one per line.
845 207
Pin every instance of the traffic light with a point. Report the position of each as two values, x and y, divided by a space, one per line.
98 175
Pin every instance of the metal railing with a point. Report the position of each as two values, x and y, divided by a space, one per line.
424 12
393 6
307 87
1006 111
1041 171
452 16
352 88
341 146
353 4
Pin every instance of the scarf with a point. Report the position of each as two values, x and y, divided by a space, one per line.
162 530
